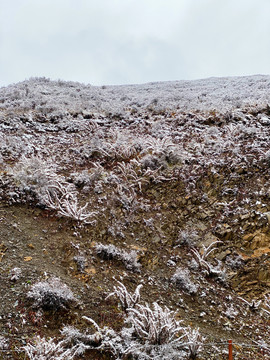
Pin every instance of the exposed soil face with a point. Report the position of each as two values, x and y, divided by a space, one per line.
43 245
154 189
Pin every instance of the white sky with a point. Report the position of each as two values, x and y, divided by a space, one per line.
133 41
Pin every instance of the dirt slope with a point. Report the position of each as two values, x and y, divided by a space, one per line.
136 196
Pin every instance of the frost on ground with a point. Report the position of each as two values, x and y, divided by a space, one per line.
206 94
150 333
164 185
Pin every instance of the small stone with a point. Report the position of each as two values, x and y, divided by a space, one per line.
245 216
223 254
27 258
248 237
90 271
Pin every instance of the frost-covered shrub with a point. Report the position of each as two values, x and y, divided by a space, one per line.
158 153
74 336
42 349
157 326
34 178
111 252
96 149
123 146
51 295
104 339
107 252
37 180
195 341
33 173
13 147
203 263
127 300
148 333
126 197
151 333
87 178
123 344
182 280
67 205
158 146
153 162
220 273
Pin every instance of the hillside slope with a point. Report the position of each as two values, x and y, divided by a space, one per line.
166 185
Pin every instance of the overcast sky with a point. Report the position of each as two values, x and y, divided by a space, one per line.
133 41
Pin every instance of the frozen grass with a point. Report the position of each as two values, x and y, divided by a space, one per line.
203 263
194 341
42 349
156 326
127 300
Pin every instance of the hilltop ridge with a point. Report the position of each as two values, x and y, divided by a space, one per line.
222 94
